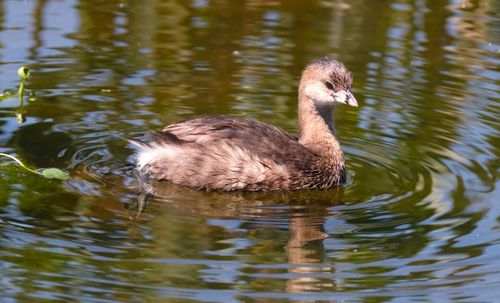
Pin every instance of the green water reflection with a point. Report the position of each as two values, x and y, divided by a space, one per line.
418 220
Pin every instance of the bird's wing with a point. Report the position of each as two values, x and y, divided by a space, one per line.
215 128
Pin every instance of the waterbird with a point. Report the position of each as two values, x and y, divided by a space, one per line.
223 153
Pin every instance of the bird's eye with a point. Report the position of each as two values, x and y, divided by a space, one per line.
329 85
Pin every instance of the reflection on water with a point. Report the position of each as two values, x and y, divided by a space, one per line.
417 219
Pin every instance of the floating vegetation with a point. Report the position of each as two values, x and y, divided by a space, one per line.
49 173
7 94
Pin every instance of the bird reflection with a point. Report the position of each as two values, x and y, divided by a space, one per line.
305 213
305 247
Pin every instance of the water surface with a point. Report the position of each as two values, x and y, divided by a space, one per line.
419 219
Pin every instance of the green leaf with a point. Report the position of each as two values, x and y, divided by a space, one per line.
54 173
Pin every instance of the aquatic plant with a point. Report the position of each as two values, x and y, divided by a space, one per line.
23 72
49 173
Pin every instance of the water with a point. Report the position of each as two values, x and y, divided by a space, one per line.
419 219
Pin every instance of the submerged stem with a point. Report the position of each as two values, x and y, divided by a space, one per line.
20 163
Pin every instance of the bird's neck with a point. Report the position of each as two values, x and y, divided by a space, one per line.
316 129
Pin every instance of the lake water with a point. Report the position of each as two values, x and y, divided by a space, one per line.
418 220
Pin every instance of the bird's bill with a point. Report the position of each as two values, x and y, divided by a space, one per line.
350 100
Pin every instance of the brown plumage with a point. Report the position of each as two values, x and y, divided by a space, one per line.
225 153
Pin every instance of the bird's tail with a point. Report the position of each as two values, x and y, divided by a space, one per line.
158 138
137 143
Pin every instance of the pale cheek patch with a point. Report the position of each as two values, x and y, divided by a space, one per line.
318 92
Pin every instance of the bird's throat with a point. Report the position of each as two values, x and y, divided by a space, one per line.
315 122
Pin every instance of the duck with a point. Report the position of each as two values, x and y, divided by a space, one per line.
224 153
